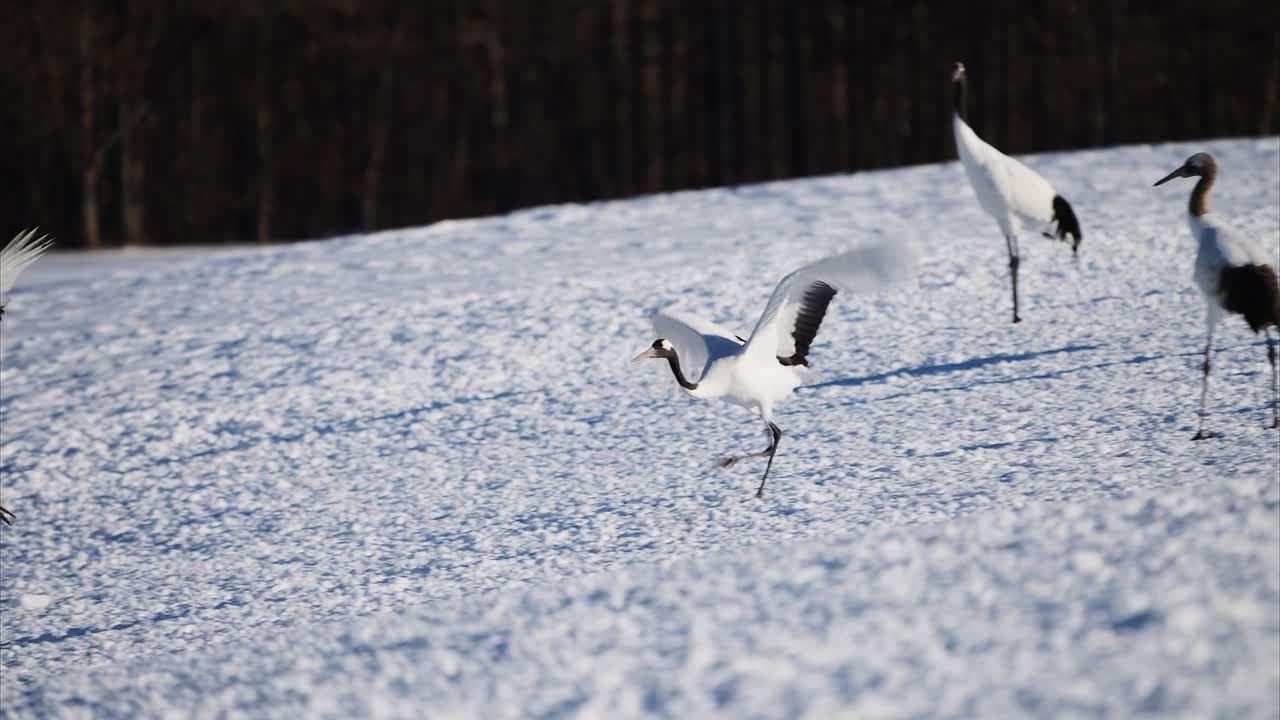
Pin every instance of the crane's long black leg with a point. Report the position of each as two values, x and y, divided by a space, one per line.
727 462
1275 379
1012 243
1204 385
773 449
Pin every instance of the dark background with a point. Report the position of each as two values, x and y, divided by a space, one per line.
150 122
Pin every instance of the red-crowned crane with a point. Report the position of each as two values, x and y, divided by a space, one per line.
24 249
1234 274
1012 193
759 372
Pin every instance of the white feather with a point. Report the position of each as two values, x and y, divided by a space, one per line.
1219 247
1012 193
698 342
24 249
866 269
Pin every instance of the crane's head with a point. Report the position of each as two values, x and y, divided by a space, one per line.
1197 165
957 71
660 349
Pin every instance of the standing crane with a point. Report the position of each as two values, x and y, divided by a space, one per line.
1012 193
1234 275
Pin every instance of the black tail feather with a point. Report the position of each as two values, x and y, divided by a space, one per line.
1065 217
1254 292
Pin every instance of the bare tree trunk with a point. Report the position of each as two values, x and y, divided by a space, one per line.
199 73
839 106
678 127
381 129
622 114
495 52
1272 84
860 104
453 164
776 90
720 136
593 21
747 108
90 210
653 91
91 161
1100 53
55 67
130 106
193 155
263 123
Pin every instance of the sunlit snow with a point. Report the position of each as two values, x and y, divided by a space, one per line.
415 474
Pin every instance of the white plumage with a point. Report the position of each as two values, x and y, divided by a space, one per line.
1017 197
1218 248
700 342
1234 274
712 363
24 249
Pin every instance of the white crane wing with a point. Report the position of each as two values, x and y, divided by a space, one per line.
698 342
790 320
24 249
1006 188
1222 247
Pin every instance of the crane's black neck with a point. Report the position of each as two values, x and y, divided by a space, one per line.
959 90
680 378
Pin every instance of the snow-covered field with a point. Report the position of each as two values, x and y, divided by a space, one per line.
414 473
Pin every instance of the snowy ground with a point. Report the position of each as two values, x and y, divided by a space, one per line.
414 473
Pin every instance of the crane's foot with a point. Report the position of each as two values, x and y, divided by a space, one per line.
728 462
1203 435
1017 319
6 516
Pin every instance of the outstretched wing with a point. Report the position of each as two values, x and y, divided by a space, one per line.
698 342
795 310
24 249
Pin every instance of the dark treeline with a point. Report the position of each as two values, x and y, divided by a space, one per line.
154 122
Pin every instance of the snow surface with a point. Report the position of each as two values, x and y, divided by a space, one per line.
414 473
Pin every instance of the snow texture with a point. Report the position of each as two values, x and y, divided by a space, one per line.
414 474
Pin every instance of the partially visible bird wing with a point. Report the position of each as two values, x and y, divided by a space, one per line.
1003 184
1239 249
795 310
810 310
698 342
24 249
1220 247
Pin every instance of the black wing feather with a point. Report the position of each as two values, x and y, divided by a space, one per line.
813 307
1254 292
1068 225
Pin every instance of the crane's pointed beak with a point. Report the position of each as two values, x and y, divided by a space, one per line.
647 354
1170 176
